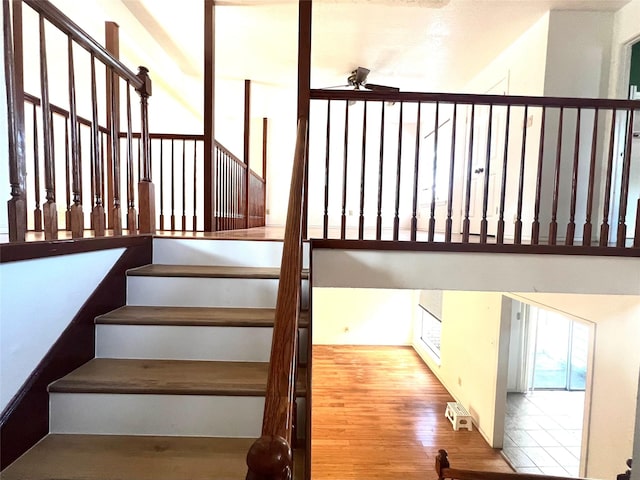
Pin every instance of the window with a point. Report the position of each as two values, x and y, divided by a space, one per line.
431 330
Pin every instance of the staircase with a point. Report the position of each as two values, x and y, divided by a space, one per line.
176 389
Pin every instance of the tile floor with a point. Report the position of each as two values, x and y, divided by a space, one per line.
543 432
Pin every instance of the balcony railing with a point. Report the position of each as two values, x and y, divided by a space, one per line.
461 168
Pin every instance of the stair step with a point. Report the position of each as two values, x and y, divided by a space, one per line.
207 271
194 316
169 377
206 286
102 457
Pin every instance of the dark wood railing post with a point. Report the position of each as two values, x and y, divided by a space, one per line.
112 45
17 205
49 210
211 158
270 457
76 216
247 149
442 462
146 192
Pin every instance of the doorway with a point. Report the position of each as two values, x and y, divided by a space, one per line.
546 384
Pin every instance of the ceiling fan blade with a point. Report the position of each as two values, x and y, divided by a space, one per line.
380 88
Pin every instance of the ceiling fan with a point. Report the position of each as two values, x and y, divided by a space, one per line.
358 80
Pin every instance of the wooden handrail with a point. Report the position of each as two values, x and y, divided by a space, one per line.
444 471
270 457
67 26
469 99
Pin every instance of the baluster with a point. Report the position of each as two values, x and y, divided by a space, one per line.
325 223
485 194
449 222
17 205
173 187
503 185
624 184
571 226
49 211
380 171
225 188
97 213
184 185
131 205
80 177
467 204
396 218
37 213
343 218
218 189
76 216
362 172
161 184
535 226
67 175
587 229
416 177
146 191
195 186
103 167
517 237
434 173
116 212
553 225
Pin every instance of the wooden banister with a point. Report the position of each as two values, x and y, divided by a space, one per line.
444 470
270 456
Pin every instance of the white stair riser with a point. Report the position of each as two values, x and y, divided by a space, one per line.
205 292
165 342
132 414
233 344
174 251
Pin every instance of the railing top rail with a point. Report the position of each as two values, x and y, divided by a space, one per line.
226 151
66 25
465 98
270 456
256 176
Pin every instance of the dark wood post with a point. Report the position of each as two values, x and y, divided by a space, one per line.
265 150
442 462
17 206
49 209
112 45
210 173
247 148
76 216
146 192
270 458
304 87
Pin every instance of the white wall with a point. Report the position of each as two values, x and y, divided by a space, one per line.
38 299
614 376
471 323
355 316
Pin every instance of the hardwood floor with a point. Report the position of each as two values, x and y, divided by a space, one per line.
378 413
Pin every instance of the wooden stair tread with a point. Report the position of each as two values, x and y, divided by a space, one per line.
115 457
207 271
194 316
169 377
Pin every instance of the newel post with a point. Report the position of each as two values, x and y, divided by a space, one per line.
146 191
17 205
442 462
270 458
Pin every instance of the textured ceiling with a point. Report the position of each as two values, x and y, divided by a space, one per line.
414 44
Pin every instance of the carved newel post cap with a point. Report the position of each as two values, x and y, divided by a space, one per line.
269 457
143 75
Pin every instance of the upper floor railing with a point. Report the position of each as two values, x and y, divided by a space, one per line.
474 168
75 136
